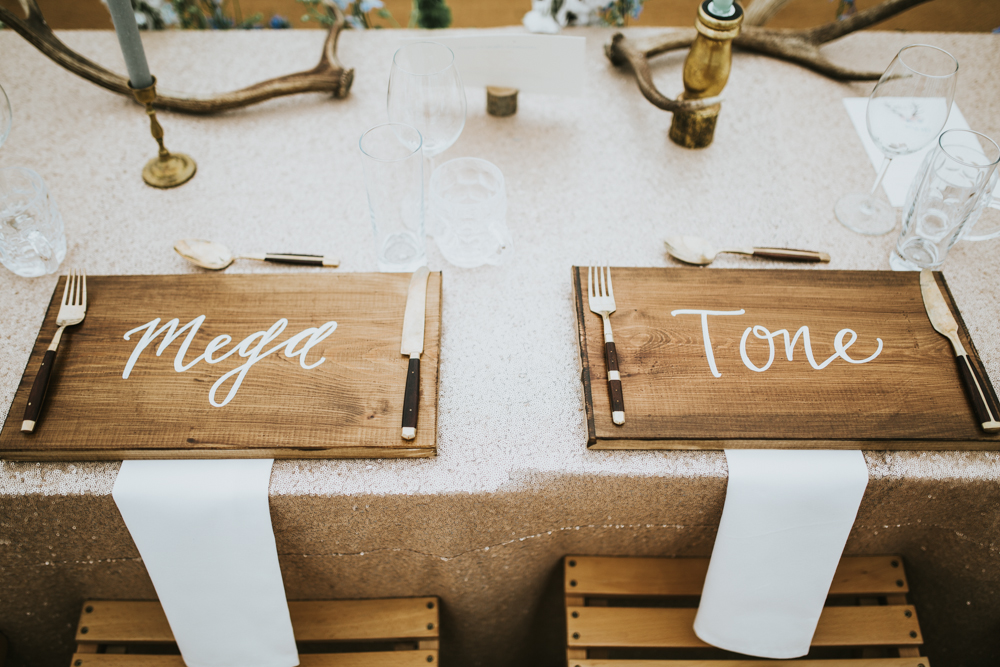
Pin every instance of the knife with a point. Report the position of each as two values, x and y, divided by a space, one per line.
983 400
413 346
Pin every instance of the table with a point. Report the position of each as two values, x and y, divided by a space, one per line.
513 488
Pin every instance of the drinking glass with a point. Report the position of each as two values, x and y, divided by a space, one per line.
394 181
32 242
468 198
946 192
907 109
990 228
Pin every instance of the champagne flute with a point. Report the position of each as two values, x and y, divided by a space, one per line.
906 111
426 92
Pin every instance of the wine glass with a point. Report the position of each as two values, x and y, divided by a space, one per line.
5 116
906 111
426 92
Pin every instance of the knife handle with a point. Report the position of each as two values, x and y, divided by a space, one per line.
38 390
304 260
411 399
791 255
614 384
986 411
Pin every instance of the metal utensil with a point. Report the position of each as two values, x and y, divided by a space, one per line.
602 301
215 256
72 311
984 402
696 250
413 346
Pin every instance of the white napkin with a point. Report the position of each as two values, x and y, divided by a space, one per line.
903 169
784 526
203 529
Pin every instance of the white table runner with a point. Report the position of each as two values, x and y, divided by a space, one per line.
203 529
784 525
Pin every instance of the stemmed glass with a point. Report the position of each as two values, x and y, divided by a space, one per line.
426 92
906 111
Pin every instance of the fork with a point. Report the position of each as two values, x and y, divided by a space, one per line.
72 311
602 302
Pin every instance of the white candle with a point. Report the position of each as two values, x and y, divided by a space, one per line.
722 8
123 17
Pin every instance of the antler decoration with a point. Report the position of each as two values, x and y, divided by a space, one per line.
328 76
797 46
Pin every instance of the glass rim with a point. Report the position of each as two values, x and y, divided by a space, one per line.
32 175
965 163
396 64
490 167
420 142
906 48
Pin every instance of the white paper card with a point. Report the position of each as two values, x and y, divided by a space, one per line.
784 526
552 64
903 169
203 529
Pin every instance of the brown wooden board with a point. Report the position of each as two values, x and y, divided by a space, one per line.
349 406
908 397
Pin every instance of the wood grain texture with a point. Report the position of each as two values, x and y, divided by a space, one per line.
674 628
350 405
606 576
124 621
368 659
909 397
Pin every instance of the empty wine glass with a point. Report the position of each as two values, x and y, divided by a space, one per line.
906 111
5 116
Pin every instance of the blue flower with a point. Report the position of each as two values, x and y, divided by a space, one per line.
368 5
279 22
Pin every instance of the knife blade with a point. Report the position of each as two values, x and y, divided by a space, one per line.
413 346
983 400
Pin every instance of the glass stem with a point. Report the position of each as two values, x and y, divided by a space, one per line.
881 174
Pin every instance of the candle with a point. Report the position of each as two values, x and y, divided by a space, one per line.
722 8
123 17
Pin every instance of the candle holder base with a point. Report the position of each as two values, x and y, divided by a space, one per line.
169 171
695 129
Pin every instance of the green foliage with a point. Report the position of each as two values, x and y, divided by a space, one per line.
432 14
618 12
359 14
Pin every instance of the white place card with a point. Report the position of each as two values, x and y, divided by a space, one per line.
551 64
203 529
784 526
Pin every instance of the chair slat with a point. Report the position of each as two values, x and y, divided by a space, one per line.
673 628
371 659
854 662
610 576
329 620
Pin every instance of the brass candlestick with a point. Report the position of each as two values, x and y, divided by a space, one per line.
168 170
706 71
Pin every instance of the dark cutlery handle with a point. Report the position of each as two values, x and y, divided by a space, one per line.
289 258
614 384
986 411
37 395
411 399
791 255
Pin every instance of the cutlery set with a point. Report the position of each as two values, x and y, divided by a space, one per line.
601 301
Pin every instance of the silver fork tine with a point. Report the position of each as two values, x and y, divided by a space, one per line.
66 290
604 286
611 290
83 273
75 289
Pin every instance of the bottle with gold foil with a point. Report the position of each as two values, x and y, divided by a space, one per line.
706 71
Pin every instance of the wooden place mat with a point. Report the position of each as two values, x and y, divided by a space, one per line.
348 406
908 397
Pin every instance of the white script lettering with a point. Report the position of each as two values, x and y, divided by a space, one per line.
246 348
839 344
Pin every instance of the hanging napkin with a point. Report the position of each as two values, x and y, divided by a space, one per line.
904 168
784 525
203 529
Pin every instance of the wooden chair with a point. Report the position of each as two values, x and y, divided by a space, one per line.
400 632
639 612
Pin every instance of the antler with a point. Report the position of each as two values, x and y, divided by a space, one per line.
798 46
328 76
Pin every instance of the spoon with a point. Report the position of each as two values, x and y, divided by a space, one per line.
695 250
215 256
